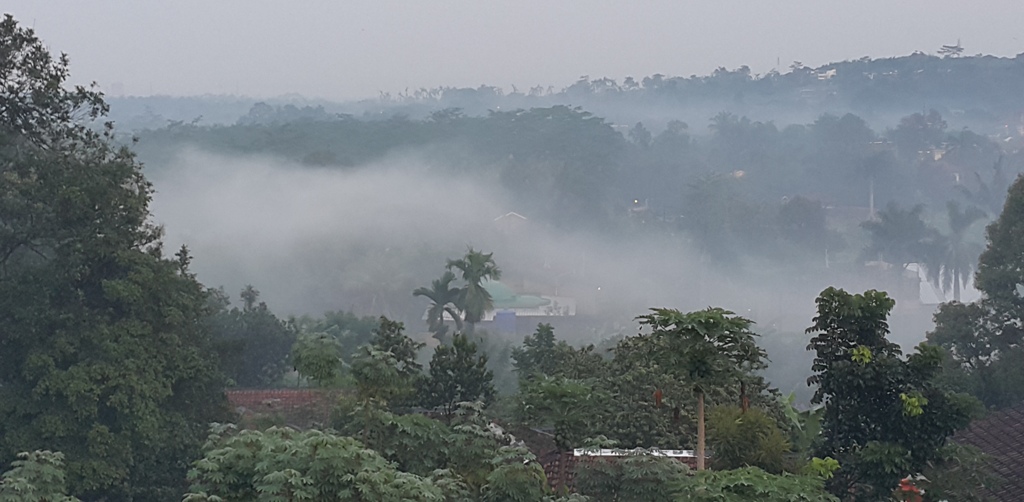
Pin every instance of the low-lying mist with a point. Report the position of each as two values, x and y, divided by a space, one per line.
319 239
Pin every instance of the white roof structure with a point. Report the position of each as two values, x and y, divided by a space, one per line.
655 452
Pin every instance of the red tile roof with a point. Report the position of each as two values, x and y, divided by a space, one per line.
295 407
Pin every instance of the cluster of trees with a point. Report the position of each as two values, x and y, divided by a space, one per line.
116 356
741 184
104 355
983 339
900 237
979 89
469 302
883 417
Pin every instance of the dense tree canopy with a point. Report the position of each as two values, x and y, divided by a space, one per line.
884 416
116 356
104 355
457 374
284 464
708 348
984 339
253 343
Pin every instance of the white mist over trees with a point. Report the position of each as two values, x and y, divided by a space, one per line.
529 206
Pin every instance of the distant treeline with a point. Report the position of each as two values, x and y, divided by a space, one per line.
982 92
576 170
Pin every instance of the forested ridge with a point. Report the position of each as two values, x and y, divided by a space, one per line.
115 358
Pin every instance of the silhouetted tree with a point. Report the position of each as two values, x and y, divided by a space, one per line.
476 267
443 300
951 257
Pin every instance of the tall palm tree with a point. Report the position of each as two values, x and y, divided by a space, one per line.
444 300
953 257
899 236
476 267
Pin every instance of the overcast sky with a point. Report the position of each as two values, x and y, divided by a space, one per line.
355 49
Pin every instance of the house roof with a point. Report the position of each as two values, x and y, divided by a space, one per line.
560 467
511 214
504 298
300 408
1000 435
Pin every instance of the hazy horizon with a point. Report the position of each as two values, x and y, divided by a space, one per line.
356 50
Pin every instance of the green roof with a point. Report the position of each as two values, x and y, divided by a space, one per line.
505 298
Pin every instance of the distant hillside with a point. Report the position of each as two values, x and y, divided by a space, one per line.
980 92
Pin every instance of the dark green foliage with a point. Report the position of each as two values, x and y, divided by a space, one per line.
386 374
350 330
457 374
390 337
475 268
707 347
977 359
958 473
703 346
516 476
474 443
1001 266
573 407
253 343
638 476
746 439
581 394
35 477
387 370
377 376
637 399
804 426
884 417
317 356
284 464
104 354
539 353
984 340
749 484
468 459
444 301
632 416
414 442
542 355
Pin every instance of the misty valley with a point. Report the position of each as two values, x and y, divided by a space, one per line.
804 285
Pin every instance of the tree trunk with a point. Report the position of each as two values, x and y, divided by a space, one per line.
700 431
458 321
871 197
